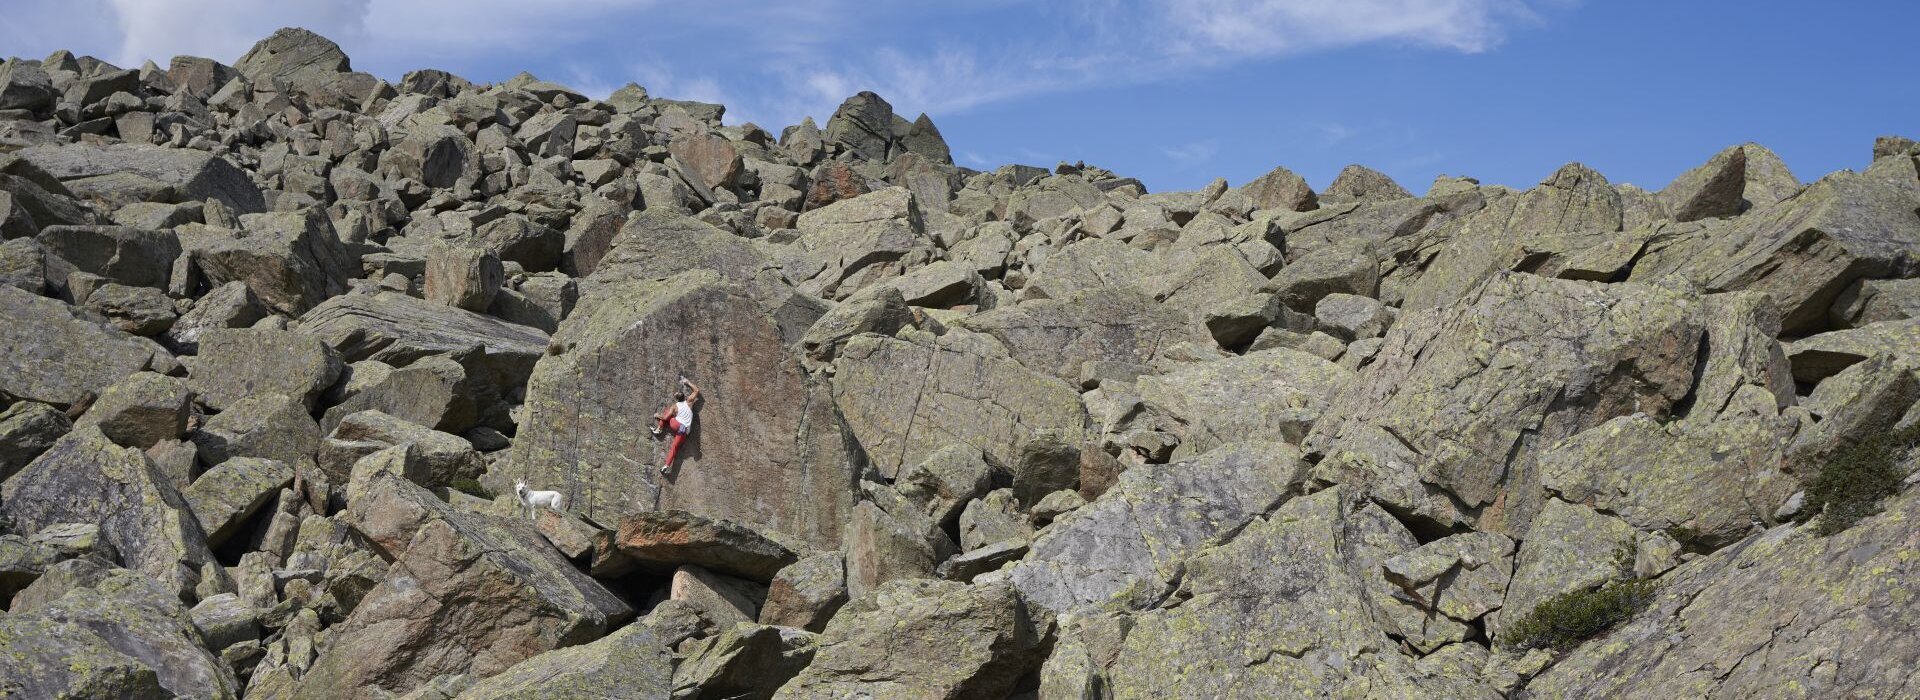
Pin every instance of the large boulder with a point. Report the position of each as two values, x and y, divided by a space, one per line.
1809 248
863 125
53 353
1449 420
291 260
158 174
923 639
853 243
634 663
1574 202
398 329
27 429
120 633
1784 614
236 364
765 448
1132 543
907 396
130 256
673 538
1276 394
425 618
142 410
291 54
1286 609
85 478
1281 189
225 497
1059 336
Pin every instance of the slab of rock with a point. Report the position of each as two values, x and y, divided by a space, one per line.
995 517
946 481
267 426
1873 301
183 174
398 329
908 396
1569 548
231 305
1817 357
423 621
725 600
131 256
1462 576
879 309
146 633
765 449
142 311
850 244
23 265
1453 412
433 391
230 367
291 54
291 260
806 593
932 639
141 411
1275 393
52 353
27 429
1787 612
85 478
226 496
745 661
1360 183
444 457
1283 609
1711 190
1059 336
633 663
467 278
1132 542
673 538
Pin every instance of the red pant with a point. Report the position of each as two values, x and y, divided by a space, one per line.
679 432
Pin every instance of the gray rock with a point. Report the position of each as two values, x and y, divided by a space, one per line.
225 497
141 411
27 429
947 480
1059 336
140 620
633 663
862 125
142 311
934 639
231 305
267 426
292 54
995 517
292 260
745 661
84 478
433 392
181 174
1131 543
1351 318
847 245
25 85
1276 393
1362 184
879 309
223 621
1711 190
1047 463
398 329
806 593
444 457
130 256
23 265
1281 189
1873 301
723 599
666 539
466 278
229 366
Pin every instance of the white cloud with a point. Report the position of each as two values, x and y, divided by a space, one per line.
773 63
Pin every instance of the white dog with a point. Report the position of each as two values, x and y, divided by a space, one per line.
533 500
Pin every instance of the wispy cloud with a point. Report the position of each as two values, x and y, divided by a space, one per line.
775 62
1193 155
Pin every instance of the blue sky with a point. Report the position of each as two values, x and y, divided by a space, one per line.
1174 92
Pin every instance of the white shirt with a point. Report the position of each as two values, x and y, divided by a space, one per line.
683 412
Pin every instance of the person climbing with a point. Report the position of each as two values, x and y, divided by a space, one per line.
676 420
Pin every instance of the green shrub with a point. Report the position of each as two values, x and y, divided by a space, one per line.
471 487
1565 619
1850 485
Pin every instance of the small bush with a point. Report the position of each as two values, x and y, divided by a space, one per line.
1850 485
1565 619
471 487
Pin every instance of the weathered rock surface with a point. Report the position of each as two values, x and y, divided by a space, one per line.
53 353
927 639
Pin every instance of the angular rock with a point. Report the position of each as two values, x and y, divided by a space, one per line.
292 260
850 244
231 305
432 392
225 497
775 462
444 458
180 174
229 366
956 390
1351 318
140 620
633 663
1281 189
1047 463
806 593
1817 357
1711 190
267 426
723 599
142 311
1132 542
926 639
1448 421
52 354
26 430
130 256
422 621
1059 336
672 538
995 517
1274 393
291 54
862 125
141 410
745 661
398 329
1362 184
84 478
946 481
466 278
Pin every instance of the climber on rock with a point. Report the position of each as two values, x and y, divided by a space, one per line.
676 420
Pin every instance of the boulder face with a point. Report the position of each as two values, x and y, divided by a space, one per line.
55 354
766 447
84 478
